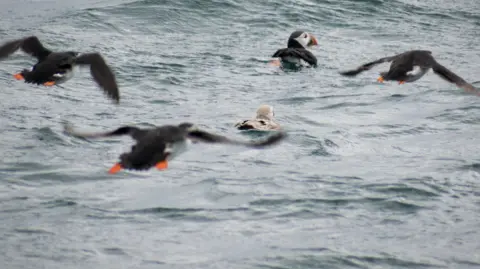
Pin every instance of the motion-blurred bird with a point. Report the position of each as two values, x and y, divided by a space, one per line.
54 68
156 146
411 66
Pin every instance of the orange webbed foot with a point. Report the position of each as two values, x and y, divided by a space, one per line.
401 82
49 83
18 76
380 79
115 169
162 165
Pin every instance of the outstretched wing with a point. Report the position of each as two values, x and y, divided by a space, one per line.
367 66
451 77
101 73
134 132
30 45
206 137
303 54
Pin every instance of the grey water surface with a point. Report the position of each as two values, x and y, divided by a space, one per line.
371 176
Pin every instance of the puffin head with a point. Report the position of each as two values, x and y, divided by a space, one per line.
266 112
301 39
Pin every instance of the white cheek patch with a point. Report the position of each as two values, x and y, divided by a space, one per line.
303 41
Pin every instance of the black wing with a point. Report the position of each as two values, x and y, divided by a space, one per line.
30 45
451 77
367 66
303 54
206 137
134 132
101 73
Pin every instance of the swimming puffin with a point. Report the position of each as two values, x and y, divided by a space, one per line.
263 121
156 146
296 52
411 66
54 68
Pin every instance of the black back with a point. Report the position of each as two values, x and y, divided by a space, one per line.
301 53
405 62
150 147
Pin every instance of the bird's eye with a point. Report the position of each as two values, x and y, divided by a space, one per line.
305 35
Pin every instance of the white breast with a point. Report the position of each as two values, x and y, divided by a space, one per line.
416 73
62 78
296 61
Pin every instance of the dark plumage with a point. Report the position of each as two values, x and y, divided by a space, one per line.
155 146
57 67
403 64
296 50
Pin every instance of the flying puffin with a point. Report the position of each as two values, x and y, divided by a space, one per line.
156 146
263 121
296 53
411 66
54 68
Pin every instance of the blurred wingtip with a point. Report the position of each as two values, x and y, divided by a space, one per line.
349 73
67 127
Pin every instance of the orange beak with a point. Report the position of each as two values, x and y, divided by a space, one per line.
380 79
313 41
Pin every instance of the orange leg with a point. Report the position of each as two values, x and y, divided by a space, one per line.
401 82
162 165
115 169
18 76
49 83
380 79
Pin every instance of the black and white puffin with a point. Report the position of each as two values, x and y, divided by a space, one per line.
156 146
297 53
411 66
54 68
